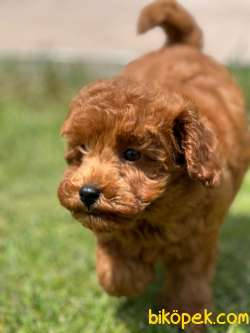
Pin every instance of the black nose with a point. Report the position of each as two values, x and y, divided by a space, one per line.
89 195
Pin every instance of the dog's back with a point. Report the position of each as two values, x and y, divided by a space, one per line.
181 66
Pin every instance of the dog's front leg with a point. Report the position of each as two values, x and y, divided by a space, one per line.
189 277
120 272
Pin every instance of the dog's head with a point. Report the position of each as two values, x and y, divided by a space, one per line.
127 144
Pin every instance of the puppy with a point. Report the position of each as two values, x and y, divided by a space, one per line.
156 156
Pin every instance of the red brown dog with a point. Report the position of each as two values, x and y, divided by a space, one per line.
156 156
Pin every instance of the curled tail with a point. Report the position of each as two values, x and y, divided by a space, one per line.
179 25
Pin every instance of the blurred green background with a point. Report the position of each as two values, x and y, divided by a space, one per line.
47 279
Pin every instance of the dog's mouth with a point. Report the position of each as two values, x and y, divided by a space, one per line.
103 221
107 216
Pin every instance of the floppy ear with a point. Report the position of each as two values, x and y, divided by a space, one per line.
198 147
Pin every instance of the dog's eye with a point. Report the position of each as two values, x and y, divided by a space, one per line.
131 155
82 149
75 155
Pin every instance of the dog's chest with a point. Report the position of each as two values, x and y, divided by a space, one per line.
152 242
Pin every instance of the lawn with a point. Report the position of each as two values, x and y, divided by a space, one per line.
48 282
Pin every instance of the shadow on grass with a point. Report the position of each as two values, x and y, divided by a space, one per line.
231 285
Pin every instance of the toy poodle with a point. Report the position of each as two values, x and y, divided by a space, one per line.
155 158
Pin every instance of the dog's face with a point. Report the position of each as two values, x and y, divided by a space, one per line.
126 147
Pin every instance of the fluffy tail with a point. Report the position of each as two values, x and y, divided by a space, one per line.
179 25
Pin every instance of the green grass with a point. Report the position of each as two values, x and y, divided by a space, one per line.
47 280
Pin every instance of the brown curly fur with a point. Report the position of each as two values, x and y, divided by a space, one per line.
186 116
